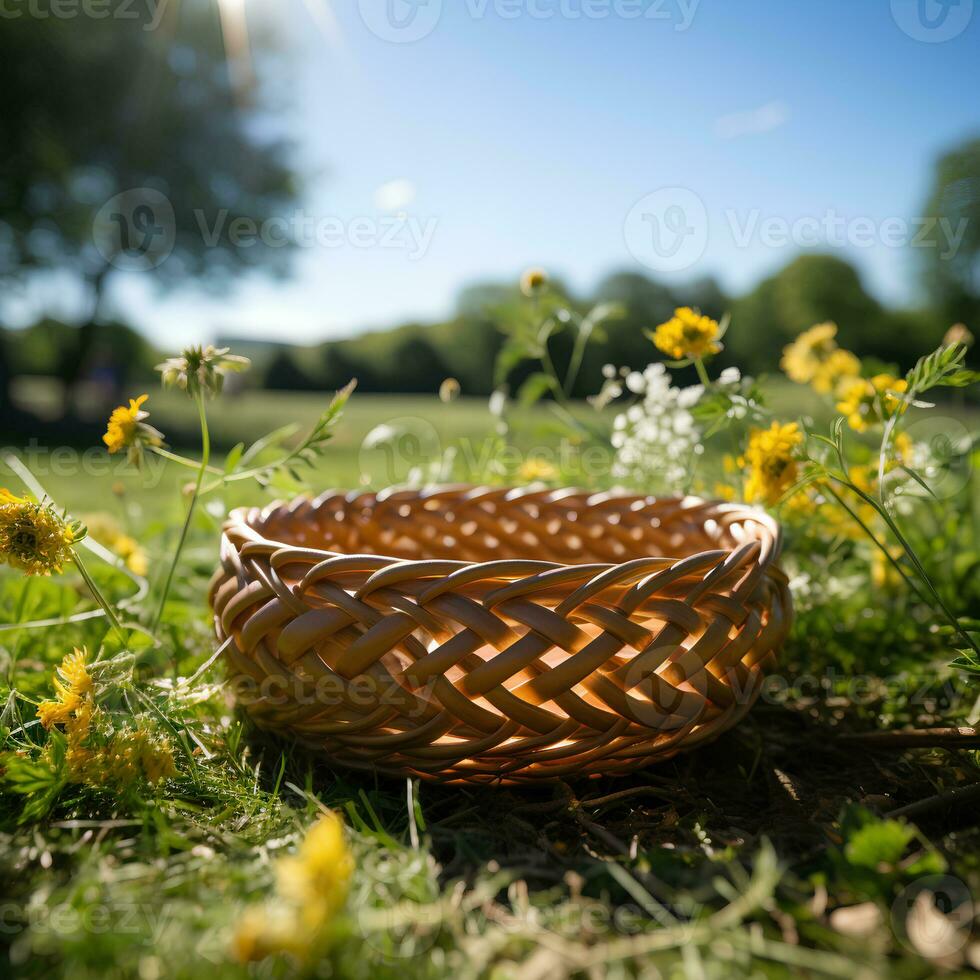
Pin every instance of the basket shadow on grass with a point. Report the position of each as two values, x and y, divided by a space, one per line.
782 774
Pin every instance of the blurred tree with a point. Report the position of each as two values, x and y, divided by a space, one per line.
5 373
645 303
285 374
952 271
127 147
814 288
340 365
418 367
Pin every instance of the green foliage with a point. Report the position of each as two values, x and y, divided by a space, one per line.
949 269
70 160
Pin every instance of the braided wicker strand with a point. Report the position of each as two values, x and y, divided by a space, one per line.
493 635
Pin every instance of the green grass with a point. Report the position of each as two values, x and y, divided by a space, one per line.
740 859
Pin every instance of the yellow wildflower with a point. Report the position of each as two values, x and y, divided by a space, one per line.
132 755
93 756
533 281
883 573
903 451
688 333
815 359
771 458
869 401
105 530
803 358
536 469
320 871
33 538
72 682
128 429
311 888
839 366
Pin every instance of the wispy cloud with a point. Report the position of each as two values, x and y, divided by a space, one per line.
394 195
764 119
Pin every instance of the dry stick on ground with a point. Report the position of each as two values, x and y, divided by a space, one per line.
625 794
950 798
954 738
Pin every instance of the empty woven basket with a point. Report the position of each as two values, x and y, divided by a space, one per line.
468 633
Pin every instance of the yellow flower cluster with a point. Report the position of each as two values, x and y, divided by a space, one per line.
815 359
129 430
104 529
72 683
127 757
90 758
871 401
311 888
535 469
33 537
688 333
771 459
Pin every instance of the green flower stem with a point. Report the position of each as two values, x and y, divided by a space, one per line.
702 372
909 581
912 556
557 388
19 615
575 364
205 460
182 460
100 598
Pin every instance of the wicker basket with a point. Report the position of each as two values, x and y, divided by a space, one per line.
469 633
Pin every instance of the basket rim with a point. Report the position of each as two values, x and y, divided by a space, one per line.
244 523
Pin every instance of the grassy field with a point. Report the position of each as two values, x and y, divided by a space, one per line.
794 846
82 478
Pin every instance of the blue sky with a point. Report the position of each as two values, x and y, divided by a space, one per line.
519 140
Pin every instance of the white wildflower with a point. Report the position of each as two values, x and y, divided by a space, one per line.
657 439
498 402
635 382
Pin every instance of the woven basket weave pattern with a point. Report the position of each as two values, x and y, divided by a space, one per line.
479 634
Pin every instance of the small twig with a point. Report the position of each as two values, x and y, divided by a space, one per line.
947 800
625 794
955 738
